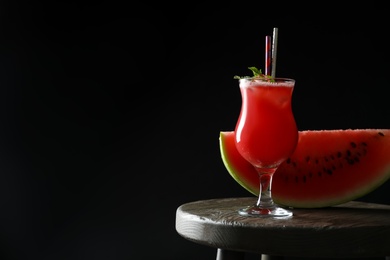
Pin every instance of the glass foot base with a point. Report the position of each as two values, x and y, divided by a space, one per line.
275 212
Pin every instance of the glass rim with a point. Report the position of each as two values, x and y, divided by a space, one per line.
277 79
277 82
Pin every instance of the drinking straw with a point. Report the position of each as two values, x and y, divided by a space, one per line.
268 55
274 48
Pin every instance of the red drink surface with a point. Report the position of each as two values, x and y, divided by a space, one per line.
266 131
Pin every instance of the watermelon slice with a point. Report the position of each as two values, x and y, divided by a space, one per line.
328 167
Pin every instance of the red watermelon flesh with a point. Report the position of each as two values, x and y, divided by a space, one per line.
328 167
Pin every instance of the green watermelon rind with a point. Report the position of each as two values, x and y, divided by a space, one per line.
233 171
252 186
359 193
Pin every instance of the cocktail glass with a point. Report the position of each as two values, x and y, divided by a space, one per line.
266 135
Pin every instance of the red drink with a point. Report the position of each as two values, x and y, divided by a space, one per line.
266 132
266 135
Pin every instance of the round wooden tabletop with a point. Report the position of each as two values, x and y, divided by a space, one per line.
353 229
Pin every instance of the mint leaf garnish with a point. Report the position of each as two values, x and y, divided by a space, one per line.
257 74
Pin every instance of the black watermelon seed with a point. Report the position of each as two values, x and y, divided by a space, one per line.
294 164
350 161
353 144
381 134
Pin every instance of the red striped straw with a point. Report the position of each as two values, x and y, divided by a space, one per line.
268 55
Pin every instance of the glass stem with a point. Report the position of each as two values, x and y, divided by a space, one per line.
265 196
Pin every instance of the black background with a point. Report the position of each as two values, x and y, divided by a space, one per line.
110 112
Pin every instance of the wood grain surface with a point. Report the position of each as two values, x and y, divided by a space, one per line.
353 229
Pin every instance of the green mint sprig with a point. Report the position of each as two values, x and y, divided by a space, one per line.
257 75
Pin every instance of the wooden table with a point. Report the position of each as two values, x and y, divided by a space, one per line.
354 229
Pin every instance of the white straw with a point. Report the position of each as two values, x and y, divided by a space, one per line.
274 48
